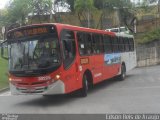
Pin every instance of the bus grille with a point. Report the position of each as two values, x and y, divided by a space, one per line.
32 90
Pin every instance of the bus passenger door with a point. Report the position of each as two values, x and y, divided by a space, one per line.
69 60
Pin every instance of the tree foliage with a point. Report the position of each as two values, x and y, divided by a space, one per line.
71 5
18 10
82 5
85 9
4 17
41 7
150 36
111 4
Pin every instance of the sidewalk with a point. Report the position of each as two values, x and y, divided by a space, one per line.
4 90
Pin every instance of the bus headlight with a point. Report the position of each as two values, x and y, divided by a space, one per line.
10 79
57 77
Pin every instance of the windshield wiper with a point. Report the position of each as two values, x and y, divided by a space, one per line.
43 63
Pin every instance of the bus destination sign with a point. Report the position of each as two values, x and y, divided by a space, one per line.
30 32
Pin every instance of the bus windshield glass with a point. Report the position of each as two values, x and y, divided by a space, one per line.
31 54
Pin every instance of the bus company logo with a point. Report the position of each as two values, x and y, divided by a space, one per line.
112 59
44 78
98 75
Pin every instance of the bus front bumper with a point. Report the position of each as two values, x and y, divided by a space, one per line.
55 88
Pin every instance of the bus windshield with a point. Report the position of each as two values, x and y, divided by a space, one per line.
37 53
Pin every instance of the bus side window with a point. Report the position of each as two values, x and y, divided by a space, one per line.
69 47
88 43
121 44
81 43
101 44
97 41
124 46
127 44
107 44
94 46
131 44
116 44
114 41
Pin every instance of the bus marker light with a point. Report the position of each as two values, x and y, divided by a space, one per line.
80 68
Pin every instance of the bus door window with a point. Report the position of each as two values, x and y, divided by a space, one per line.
69 48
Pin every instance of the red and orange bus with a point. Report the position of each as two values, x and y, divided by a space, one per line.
58 59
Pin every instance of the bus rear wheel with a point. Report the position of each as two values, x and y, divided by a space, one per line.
84 90
123 72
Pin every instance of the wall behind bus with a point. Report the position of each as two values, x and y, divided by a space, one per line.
148 54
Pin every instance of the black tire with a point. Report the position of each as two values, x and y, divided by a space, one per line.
123 73
84 90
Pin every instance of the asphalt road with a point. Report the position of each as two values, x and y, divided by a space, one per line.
138 93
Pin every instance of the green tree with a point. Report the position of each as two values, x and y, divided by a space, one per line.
18 10
4 17
60 6
110 4
71 5
41 7
85 9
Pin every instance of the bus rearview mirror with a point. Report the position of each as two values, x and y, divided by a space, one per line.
4 50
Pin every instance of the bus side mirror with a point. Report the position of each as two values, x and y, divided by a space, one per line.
4 50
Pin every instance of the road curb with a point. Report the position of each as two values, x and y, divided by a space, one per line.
4 89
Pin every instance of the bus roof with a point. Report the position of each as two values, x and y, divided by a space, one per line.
83 28
67 26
